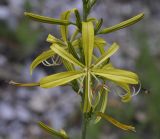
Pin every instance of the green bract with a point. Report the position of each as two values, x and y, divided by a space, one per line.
85 72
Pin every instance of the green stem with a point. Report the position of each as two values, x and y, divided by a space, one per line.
84 10
85 124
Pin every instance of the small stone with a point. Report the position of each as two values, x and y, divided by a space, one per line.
4 12
23 114
3 59
7 112
141 116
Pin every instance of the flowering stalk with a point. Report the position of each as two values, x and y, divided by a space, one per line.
85 72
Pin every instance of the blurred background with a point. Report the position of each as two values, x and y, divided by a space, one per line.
21 40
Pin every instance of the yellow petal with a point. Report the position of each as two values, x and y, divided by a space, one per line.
45 55
115 122
64 29
62 134
123 24
60 78
64 54
126 97
23 84
45 19
114 47
88 41
53 39
88 94
117 75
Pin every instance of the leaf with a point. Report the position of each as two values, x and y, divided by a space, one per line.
118 75
60 78
64 54
114 47
88 41
123 24
64 29
115 122
62 134
45 19
73 36
72 50
98 25
45 55
78 19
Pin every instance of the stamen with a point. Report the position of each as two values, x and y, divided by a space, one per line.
81 85
139 89
99 82
106 87
56 61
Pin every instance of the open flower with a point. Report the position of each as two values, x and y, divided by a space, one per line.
86 73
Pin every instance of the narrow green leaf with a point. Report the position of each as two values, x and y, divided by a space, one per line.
45 55
88 41
118 75
78 19
60 78
62 134
64 54
115 122
123 24
45 19
98 25
114 47
72 50
74 35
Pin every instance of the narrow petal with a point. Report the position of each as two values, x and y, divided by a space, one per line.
115 122
60 78
88 94
126 97
117 75
62 134
45 19
53 39
123 24
114 47
45 55
88 41
23 84
64 54
64 29
103 104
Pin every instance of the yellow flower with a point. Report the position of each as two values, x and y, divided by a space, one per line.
84 69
